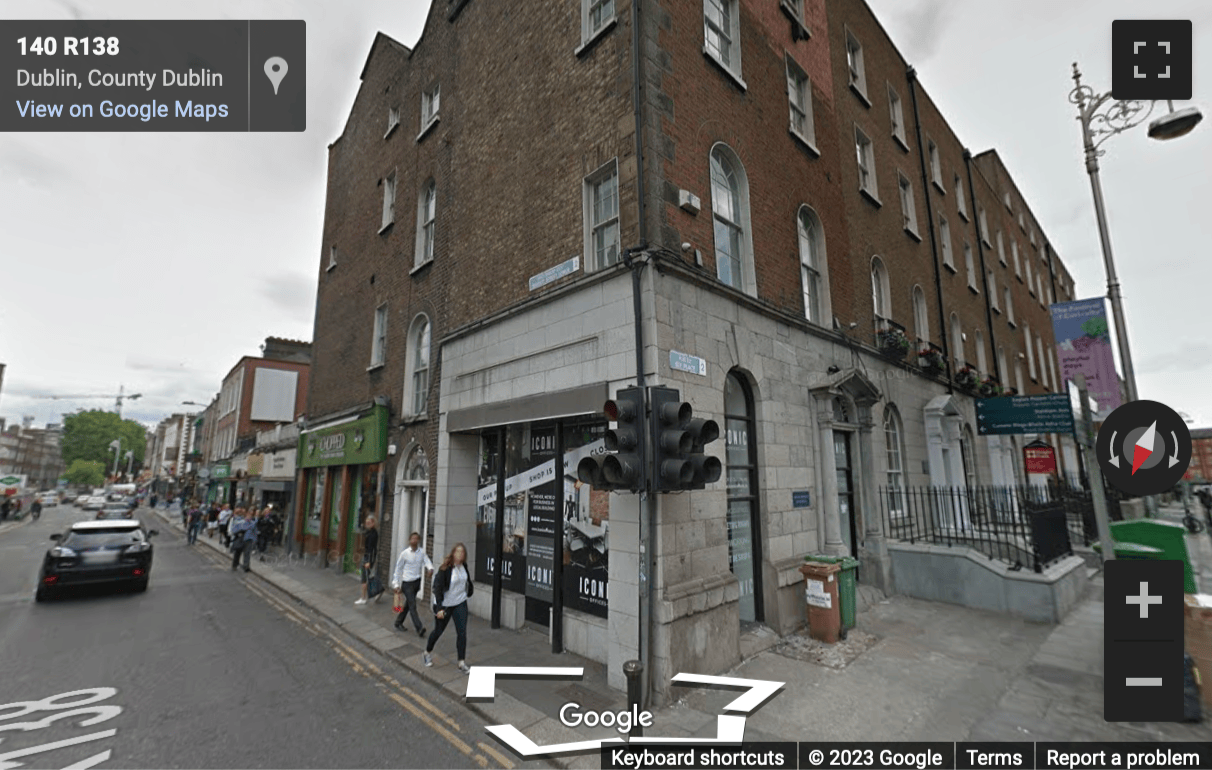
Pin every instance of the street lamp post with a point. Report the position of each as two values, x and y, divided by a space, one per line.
130 459
1097 127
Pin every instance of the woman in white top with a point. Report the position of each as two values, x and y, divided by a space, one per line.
451 586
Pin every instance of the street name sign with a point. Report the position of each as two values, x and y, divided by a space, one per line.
1050 413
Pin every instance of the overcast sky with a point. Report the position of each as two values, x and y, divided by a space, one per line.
154 261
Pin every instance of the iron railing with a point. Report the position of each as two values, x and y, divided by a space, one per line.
1022 526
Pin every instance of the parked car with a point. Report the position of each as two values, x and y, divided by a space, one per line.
49 499
81 500
94 503
114 511
93 552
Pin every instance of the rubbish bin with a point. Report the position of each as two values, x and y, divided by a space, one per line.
820 588
1169 537
847 591
1131 550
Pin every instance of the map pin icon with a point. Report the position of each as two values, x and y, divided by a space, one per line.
275 70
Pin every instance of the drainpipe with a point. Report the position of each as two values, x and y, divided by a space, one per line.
911 75
980 249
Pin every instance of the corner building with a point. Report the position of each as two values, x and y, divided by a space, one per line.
503 184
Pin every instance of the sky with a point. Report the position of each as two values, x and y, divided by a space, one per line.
153 262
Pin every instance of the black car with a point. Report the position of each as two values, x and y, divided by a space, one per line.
93 552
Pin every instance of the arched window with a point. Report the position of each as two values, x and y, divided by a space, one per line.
730 209
895 452
982 363
416 385
957 341
921 319
744 537
812 263
880 292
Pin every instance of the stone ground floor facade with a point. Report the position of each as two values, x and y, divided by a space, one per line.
813 426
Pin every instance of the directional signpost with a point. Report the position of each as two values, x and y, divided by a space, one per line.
1052 413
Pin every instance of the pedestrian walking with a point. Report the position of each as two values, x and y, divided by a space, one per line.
265 526
6 508
212 520
370 543
154 499
224 520
35 510
244 534
195 522
451 588
412 565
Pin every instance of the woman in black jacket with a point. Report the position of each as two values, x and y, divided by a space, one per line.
452 586
370 546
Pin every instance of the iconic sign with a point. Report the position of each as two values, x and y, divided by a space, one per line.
359 441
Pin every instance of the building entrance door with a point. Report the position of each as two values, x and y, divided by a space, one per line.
845 490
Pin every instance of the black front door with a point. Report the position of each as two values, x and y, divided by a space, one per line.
845 490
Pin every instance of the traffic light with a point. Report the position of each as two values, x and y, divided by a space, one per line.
671 443
623 469
704 468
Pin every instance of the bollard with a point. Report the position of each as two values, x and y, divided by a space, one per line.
632 670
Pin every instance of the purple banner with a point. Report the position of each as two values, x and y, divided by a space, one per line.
1083 344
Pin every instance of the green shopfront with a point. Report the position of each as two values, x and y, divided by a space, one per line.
340 480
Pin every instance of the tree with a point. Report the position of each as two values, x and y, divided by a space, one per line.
87 436
86 473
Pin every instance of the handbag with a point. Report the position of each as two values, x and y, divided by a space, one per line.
374 586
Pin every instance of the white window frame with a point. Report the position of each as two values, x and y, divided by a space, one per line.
936 165
1030 279
881 289
1019 384
1018 263
427 224
984 225
393 120
991 287
1030 351
813 265
1051 296
856 70
944 237
896 112
420 323
957 342
865 155
960 203
894 460
721 54
921 314
1008 296
1006 200
332 258
431 107
589 32
1002 371
1043 366
378 344
908 204
1001 248
982 360
389 201
748 283
1057 384
1022 223
970 265
799 104
593 227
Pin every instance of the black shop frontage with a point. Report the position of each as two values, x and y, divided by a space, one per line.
548 533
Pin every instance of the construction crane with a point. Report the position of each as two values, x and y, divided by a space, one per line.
118 399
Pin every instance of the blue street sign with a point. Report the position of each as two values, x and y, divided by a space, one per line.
800 499
1052 413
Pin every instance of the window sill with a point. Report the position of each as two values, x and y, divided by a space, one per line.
950 267
997 310
913 234
985 240
799 30
375 367
860 94
806 142
964 215
735 77
1012 324
428 127
973 289
870 196
939 186
1019 276
901 141
421 266
391 129
386 227
331 266
412 419
1003 262
592 40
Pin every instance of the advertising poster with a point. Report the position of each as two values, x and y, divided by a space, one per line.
541 526
1039 459
1083 344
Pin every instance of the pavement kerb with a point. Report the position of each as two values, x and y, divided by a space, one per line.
502 702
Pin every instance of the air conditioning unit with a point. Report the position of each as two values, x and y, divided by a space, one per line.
689 201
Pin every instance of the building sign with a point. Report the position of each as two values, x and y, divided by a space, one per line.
1024 414
357 442
801 499
1083 345
1039 458
539 525
684 362
567 267
220 471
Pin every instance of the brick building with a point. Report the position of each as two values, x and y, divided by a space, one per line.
794 203
34 453
1201 456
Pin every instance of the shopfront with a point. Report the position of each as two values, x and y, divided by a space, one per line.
342 464
547 515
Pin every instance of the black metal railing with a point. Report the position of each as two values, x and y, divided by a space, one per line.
1022 526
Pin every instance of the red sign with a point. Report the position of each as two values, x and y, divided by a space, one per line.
1039 459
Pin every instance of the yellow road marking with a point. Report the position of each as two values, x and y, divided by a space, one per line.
498 756
453 739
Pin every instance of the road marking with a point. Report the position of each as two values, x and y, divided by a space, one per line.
498 756
92 761
451 738
5 764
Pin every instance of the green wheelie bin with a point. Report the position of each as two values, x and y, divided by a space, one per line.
1169 538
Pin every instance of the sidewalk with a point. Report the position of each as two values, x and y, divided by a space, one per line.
912 671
